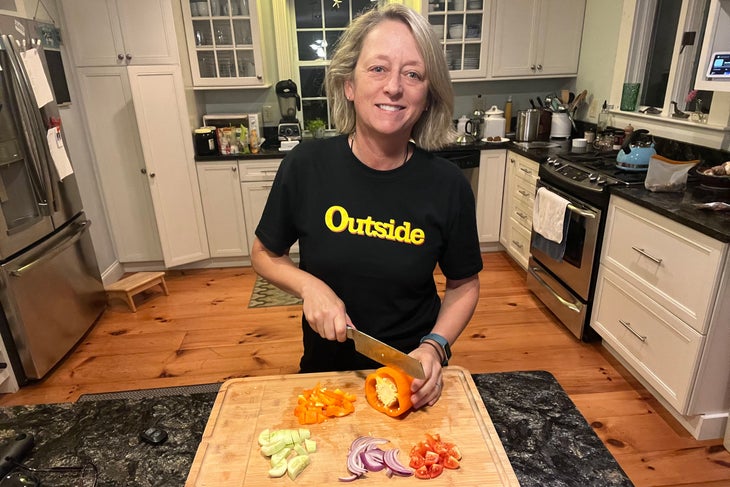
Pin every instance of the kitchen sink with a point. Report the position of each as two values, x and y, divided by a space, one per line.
537 144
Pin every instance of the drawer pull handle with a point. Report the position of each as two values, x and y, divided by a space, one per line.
628 327
526 171
521 215
517 244
571 306
647 255
524 193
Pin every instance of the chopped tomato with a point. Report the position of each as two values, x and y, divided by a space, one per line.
422 473
451 462
431 457
435 470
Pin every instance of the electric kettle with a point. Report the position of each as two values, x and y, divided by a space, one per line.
636 151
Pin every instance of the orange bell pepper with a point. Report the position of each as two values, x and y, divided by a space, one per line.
388 390
320 403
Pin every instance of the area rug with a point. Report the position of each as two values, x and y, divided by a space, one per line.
547 440
265 295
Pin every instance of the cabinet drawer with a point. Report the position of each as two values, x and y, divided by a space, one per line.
524 194
518 243
675 265
258 170
522 214
526 170
663 349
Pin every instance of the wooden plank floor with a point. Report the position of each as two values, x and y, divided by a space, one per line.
204 332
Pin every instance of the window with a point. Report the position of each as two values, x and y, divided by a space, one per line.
664 54
318 26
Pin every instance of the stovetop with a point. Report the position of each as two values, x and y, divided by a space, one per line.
604 163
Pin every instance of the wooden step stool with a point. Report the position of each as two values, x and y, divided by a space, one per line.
129 286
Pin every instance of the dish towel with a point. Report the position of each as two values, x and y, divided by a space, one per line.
550 221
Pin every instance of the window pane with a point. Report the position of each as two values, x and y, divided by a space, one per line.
310 46
312 81
361 6
332 37
336 16
308 14
659 60
315 109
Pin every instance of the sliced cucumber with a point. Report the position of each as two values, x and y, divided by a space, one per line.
296 465
310 445
279 469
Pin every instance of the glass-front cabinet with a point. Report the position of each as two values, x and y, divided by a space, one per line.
223 43
462 27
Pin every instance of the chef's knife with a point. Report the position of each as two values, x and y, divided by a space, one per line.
385 354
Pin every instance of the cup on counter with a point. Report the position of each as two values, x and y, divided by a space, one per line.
579 145
630 97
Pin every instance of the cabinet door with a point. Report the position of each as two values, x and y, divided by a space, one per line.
120 32
561 30
224 43
92 29
515 24
463 28
114 139
255 194
148 31
220 191
159 105
489 196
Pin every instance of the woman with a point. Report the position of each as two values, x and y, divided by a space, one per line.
374 213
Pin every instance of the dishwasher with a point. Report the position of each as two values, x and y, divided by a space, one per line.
467 160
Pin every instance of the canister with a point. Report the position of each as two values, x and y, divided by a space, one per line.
494 122
527 124
205 141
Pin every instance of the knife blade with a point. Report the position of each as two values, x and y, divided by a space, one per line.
384 353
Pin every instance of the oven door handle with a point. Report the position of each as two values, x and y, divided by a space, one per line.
583 213
563 301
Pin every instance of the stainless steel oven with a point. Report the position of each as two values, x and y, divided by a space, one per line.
564 284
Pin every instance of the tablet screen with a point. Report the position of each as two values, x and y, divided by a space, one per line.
720 65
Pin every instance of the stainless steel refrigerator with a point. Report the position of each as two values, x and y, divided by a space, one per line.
51 291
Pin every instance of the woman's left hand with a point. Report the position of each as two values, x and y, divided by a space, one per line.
427 391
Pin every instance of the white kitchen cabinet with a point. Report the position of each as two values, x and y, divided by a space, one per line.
120 165
220 192
137 122
519 195
536 38
257 177
8 382
489 194
463 29
224 43
661 306
120 32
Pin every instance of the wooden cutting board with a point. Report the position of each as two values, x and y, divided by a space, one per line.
228 454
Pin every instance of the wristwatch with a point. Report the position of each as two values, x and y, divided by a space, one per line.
443 343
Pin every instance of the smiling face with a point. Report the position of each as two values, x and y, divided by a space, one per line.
388 86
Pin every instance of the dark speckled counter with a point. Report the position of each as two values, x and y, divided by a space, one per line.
546 439
680 207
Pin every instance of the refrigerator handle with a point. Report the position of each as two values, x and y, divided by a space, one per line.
32 125
79 230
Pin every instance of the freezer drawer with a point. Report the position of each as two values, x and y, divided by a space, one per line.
51 295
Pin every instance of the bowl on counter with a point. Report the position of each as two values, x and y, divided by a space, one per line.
709 180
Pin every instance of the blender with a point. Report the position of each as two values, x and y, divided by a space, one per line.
289 103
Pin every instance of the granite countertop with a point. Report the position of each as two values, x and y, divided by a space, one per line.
547 440
680 207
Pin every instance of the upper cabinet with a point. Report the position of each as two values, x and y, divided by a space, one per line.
536 38
120 32
224 43
462 26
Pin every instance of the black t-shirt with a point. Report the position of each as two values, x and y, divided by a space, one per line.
375 238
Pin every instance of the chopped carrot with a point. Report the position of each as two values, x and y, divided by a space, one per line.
320 403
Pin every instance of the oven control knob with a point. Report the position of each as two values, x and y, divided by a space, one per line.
601 181
552 161
592 178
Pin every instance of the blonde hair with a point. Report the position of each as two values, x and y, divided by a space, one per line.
435 128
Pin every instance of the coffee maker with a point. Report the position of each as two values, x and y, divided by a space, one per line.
289 103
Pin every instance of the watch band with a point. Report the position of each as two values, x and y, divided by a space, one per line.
443 343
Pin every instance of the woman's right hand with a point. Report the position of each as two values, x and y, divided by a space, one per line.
324 311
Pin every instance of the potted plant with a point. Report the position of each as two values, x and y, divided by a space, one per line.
316 127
